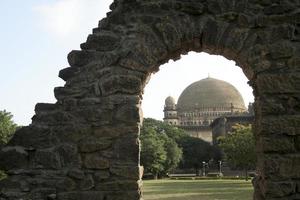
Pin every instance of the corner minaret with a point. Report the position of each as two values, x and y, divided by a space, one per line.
170 111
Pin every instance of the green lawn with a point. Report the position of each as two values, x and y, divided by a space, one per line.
197 190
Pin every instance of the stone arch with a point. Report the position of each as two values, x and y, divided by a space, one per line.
85 146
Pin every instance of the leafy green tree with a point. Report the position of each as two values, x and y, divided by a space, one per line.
153 154
196 151
174 155
160 153
239 148
7 129
7 126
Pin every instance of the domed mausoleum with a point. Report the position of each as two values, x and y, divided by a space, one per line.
200 104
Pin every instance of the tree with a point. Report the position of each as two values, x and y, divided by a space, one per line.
160 153
174 155
238 147
7 126
7 129
195 152
153 154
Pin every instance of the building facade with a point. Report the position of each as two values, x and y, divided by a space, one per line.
200 104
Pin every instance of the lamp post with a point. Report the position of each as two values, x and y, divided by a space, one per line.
220 167
203 163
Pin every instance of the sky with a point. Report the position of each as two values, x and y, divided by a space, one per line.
36 37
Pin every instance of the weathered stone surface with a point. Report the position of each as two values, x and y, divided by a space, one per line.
101 42
66 184
284 144
87 183
47 158
95 161
130 172
101 175
76 174
88 140
283 125
278 83
118 185
93 144
68 73
278 167
127 149
13 157
68 155
32 137
280 189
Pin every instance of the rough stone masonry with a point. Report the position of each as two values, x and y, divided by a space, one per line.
86 146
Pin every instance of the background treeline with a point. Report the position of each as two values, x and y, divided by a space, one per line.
165 148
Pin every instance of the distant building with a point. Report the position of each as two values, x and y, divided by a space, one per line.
201 103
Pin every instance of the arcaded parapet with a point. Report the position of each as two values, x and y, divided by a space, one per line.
85 146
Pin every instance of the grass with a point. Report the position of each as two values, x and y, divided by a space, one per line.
197 190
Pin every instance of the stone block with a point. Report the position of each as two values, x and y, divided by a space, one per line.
278 144
47 159
13 157
129 172
124 84
76 174
44 107
69 155
130 114
87 183
89 145
170 35
281 50
278 83
119 185
106 41
68 73
279 189
91 58
32 137
279 167
281 104
61 93
101 175
66 184
95 161
280 125
127 149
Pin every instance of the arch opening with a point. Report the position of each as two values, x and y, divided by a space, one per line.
173 78
90 135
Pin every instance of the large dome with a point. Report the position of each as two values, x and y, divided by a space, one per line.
208 93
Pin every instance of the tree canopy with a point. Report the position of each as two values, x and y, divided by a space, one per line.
7 126
160 153
196 151
239 147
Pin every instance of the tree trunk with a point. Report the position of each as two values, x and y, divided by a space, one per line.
155 176
246 174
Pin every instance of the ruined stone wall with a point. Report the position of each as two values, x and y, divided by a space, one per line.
85 146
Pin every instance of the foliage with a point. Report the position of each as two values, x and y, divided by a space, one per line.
239 147
196 151
153 154
7 126
160 153
7 129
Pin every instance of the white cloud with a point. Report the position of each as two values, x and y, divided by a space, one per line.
66 17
